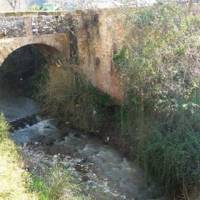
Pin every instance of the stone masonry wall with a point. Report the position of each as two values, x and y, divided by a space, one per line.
12 27
19 26
16 24
87 39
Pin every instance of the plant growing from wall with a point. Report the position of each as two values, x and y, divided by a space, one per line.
68 96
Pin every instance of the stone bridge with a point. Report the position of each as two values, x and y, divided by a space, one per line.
86 39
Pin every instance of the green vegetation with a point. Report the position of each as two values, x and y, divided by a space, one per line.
172 159
160 117
69 97
55 184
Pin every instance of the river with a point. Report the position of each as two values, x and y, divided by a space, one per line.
102 170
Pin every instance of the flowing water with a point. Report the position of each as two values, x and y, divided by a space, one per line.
102 171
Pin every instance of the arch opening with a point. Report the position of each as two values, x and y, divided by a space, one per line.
23 66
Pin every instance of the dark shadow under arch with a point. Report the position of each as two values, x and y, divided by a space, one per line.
23 63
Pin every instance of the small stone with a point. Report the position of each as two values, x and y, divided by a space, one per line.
85 178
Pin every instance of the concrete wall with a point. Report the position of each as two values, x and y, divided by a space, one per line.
90 37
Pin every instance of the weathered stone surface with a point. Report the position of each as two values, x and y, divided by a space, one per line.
86 39
12 27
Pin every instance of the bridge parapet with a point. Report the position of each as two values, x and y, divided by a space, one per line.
38 23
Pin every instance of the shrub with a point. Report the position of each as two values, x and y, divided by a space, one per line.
172 159
159 67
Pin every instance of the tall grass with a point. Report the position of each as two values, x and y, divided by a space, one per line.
172 159
55 184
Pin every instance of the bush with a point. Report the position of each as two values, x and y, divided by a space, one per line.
172 159
159 67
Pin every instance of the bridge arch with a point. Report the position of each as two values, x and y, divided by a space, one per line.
57 42
25 60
